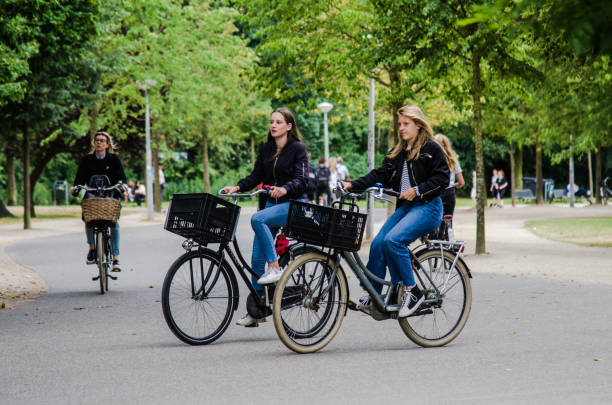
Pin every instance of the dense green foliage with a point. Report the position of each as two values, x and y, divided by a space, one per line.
493 75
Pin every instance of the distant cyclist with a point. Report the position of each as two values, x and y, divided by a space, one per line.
102 161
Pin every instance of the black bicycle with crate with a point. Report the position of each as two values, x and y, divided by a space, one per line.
312 297
200 292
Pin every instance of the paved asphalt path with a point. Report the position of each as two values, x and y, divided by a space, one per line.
528 340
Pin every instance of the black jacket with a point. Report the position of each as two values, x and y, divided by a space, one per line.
429 172
90 165
289 169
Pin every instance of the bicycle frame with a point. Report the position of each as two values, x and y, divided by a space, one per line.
236 259
382 300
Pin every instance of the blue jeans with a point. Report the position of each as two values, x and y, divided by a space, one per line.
390 247
265 223
114 238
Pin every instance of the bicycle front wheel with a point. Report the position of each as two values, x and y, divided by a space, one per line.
309 303
101 255
199 297
448 300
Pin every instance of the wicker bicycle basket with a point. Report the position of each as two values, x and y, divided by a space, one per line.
325 226
101 211
204 217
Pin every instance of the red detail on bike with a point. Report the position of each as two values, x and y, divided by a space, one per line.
281 244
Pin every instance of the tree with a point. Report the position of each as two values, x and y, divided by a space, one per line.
56 34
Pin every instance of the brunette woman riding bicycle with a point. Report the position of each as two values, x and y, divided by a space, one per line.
416 167
282 163
102 161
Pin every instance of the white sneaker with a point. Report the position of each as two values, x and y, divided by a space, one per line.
410 301
249 321
270 276
364 304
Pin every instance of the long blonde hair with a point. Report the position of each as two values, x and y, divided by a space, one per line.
112 147
425 132
449 153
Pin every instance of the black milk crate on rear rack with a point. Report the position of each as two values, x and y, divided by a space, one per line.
203 217
325 226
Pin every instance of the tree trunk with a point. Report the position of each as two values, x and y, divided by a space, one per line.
156 184
518 167
539 192
11 180
590 174
481 194
205 161
27 192
4 212
598 174
513 151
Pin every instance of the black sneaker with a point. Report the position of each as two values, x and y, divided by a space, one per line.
91 256
116 267
410 301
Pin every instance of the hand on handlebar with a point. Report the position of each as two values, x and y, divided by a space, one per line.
277 192
346 185
230 189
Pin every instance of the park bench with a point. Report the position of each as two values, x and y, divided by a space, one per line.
558 194
524 194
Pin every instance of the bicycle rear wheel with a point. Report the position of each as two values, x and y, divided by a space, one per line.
309 304
199 297
101 255
440 319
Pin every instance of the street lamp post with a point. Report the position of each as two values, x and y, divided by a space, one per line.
371 153
148 170
325 107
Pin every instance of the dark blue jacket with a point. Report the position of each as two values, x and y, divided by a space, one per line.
289 169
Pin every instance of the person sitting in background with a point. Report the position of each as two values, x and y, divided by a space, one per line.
580 192
140 192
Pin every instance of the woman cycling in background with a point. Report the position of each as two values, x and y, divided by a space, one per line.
282 163
102 161
456 177
416 167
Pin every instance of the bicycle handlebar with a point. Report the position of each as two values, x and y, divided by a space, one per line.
377 188
243 195
100 189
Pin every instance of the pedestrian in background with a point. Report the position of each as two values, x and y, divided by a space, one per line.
343 171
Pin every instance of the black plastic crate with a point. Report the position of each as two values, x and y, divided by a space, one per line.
203 217
325 226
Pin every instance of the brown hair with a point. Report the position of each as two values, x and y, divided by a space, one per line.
425 132
294 132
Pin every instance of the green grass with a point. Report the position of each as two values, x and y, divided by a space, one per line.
39 217
596 231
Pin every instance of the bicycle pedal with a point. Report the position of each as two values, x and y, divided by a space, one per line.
112 277
95 278
352 306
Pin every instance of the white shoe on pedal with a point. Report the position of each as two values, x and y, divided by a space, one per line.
271 275
248 321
